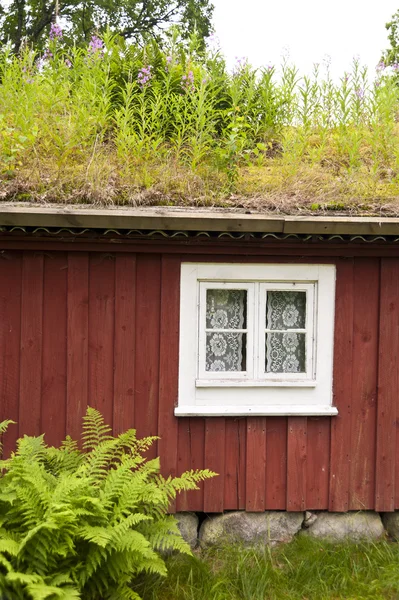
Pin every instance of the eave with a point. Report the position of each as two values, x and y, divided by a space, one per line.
192 220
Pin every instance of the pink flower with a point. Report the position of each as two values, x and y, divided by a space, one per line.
144 76
55 31
96 45
187 81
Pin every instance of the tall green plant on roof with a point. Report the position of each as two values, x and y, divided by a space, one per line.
82 524
110 121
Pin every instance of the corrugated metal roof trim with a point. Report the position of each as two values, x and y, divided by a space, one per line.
134 234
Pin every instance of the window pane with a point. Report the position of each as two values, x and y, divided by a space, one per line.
286 310
226 352
285 353
226 309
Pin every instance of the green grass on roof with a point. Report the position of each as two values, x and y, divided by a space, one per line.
135 126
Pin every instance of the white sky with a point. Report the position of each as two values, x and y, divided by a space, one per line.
309 29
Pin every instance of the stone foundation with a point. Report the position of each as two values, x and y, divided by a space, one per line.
272 527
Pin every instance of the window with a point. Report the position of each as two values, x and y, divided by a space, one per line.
256 339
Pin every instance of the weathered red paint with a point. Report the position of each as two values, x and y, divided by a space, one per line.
82 325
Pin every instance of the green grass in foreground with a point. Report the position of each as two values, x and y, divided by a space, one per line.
303 570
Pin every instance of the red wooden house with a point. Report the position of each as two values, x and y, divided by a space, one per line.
262 347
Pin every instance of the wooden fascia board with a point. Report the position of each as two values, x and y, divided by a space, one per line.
180 220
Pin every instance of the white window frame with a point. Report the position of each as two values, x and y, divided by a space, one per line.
221 393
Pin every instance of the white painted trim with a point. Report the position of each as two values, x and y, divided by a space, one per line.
225 383
237 396
262 411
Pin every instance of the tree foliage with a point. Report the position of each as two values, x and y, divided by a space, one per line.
81 524
30 20
391 55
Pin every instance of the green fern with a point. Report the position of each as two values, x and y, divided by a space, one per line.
3 428
83 524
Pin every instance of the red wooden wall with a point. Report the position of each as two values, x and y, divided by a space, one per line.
101 328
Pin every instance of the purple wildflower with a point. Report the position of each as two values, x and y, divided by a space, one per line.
359 93
168 60
47 55
204 81
395 66
55 31
241 64
96 45
68 63
144 76
381 66
187 81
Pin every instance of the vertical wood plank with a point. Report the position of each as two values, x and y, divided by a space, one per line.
101 334
215 461
31 344
169 365
183 459
317 462
148 308
276 463
256 464
342 387
77 341
195 498
235 466
124 351
388 381
10 335
190 455
54 362
364 384
296 463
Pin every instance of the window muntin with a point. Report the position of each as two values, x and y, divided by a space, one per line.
288 315
255 332
225 341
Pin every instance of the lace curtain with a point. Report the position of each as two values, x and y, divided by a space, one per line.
226 310
285 351
225 350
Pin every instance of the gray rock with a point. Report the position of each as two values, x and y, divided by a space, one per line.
310 518
391 524
353 526
188 525
250 529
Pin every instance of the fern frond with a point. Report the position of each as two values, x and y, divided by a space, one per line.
69 445
100 536
4 562
145 443
9 545
124 592
164 535
95 430
3 428
41 591
24 578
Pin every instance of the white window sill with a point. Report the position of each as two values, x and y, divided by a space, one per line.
261 411
226 383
